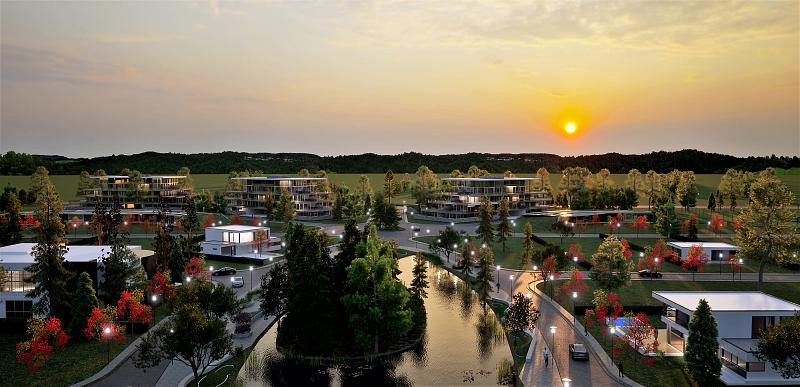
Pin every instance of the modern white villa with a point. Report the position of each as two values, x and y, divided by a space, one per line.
741 317
14 303
152 192
460 200
311 195
239 241
716 252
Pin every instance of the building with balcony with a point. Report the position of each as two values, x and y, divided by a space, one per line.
239 241
153 191
311 195
460 200
14 302
741 318
716 252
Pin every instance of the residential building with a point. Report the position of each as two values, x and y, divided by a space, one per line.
311 195
14 302
153 191
239 241
460 199
716 252
741 318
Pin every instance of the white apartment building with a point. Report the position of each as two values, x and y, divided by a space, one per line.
311 195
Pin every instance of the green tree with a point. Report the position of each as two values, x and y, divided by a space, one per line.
544 175
39 180
528 251
364 189
217 302
190 336
419 281
48 271
520 315
424 186
84 300
687 190
731 186
702 347
768 231
10 229
475 171
85 182
163 241
389 185
504 227
634 180
486 215
136 188
269 206
303 173
447 242
272 294
611 264
712 202
384 214
780 346
666 221
187 182
652 187
190 224
285 210
485 276
692 227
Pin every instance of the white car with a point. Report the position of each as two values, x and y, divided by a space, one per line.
237 282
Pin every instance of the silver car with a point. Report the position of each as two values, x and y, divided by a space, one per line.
578 351
237 282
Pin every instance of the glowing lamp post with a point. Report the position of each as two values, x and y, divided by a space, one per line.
107 334
511 285
251 278
498 277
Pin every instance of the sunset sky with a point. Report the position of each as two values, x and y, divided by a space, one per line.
95 78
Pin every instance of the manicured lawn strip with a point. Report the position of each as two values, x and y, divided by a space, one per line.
519 348
219 374
78 361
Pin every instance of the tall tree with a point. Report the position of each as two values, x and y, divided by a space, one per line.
634 180
136 188
611 264
84 301
780 346
475 171
303 173
187 182
528 251
273 291
285 210
424 186
419 281
520 315
652 187
712 202
544 175
39 180
389 185
767 230
121 268
364 189
485 276
85 182
504 227
666 222
163 242
11 210
269 206
486 215
384 214
447 242
731 186
687 190
47 270
190 224
702 347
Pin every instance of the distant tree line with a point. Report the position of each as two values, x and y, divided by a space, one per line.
13 163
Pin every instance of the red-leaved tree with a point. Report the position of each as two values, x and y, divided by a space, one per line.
574 284
161 285
195 266
46 334
736 265
29 222
716 223
236 219
102 326
258 240
208 221
131 310
574 251
639 224
695 260
549 270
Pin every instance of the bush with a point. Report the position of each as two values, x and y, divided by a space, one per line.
242 328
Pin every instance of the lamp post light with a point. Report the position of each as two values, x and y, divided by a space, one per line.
416 234
251 278
574 299
553 340
153 300
188 279
720 263
612 330
552 278
575 262
655 266
498 277
107 333
741 268
511 285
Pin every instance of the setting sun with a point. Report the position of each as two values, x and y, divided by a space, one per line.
570 127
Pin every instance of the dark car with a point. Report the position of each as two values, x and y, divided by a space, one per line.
649 274
224 271
578 352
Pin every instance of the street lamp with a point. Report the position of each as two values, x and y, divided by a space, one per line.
612 330
416 234
251 278
511 285
553 340
575 260
574 298
154 298
188 279
566 382
741 269
498 277
107 333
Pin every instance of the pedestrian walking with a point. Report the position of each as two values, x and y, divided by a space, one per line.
585 330
546 357
619 366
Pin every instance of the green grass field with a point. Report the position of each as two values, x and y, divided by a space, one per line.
67 184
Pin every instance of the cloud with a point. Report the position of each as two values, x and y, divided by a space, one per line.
24 65
131 38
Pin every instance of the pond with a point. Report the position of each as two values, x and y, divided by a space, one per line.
461 345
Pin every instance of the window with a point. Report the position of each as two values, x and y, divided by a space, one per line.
756 366
19 310
18 281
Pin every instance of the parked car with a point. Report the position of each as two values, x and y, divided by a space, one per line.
224 271
237 282
649 274
415 229
578 352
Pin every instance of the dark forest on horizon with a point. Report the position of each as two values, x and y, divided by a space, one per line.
13 163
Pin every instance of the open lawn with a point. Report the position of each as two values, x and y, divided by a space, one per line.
78 361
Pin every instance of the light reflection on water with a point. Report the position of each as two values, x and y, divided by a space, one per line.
459 344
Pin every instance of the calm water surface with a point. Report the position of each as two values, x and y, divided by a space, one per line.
460 347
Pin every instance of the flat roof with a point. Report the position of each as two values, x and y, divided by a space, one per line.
278 178
22 253
710 245
490 178
238 228
590 212
143 176
728 301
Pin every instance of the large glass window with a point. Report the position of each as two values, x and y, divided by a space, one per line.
18 282
20 310
757 366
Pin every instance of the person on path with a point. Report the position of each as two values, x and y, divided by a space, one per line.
546 357
585 330
619 365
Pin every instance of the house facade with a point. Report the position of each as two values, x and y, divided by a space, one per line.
460 200
239 241
716 252
14 301
311 195
741 318
152 192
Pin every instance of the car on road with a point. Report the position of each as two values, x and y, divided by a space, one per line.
237 282
415 229
649 274
578 351
224 271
